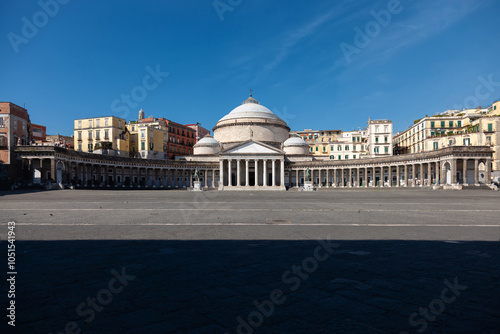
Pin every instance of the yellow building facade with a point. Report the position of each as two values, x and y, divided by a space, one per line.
475 127
106 135
148 140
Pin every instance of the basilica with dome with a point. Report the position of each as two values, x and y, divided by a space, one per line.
251 145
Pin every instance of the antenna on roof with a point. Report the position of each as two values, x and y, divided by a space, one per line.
251 90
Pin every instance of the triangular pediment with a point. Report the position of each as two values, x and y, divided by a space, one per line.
252 147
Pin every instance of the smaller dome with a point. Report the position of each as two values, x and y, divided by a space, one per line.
208 140
295 141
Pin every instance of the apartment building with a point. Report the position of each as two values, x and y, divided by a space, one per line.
471 127
379 138
102 135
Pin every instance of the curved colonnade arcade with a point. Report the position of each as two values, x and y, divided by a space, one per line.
447 166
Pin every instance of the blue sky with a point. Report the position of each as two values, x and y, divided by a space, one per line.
84 58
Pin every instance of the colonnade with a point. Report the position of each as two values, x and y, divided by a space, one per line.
409 174
258 172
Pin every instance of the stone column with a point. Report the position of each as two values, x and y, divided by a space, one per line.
319 179
464 171
429 174
476 172
282 176
436 172
274 172
99 172
53 175
406 176
296 176
246 173
264 173
487 167
342 178
123 176
390 175
398 172
327 178
238 178
366 177
256 172
421 166
334 178
221 174
413 176
454 171
443 175
229 176
381 176
213 178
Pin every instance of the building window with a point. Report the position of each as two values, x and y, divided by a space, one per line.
331 148
432 133
143 134
324 148
435 145
488 140
376 139
89 147
97 135
459 124
97 122
442 124
120 123
106 134
466 141
490 127
340 157
375 150
79 136
450 124
354 156
450 142
316 148
346 157
79 124
346 147
106 122
339 148
15 125
332 157
90 135
143 145
432 125
79 146
386 128
151 145
385 139
387 149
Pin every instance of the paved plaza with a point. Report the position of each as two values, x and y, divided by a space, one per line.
332 261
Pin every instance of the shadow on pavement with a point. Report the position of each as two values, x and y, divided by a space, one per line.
257 286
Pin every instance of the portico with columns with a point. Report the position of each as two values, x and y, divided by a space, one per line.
252 165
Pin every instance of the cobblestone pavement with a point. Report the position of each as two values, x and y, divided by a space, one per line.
348 261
